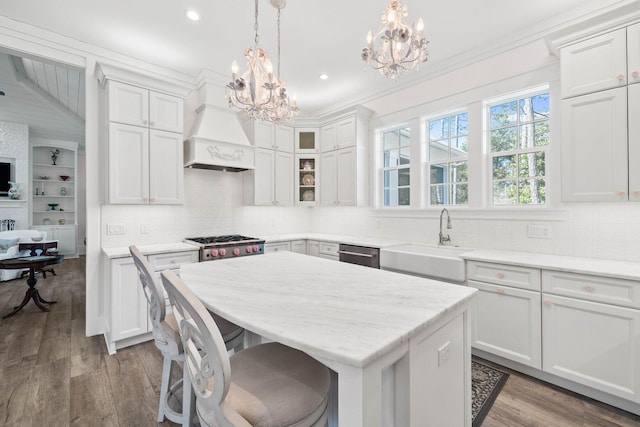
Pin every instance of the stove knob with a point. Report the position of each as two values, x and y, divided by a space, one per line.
214 252
236 251
249 249
223 252
256 249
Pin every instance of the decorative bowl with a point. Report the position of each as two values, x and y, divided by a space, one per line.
64 177
37 238
53 206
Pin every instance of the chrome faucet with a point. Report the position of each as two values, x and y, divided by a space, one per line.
442 237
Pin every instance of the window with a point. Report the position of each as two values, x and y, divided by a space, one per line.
396 157
518 141
448 141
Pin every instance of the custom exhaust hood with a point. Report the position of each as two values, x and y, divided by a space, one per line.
218 142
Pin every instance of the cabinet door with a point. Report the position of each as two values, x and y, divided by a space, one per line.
263 134
263 182
166 170
283 176
129 311
284 138
328 137
594 147
270 248
313 248
166 112
594 344
128 164
307 140
633 54
347 133
128 104
633 94
328 183
66 237
346 176
299 246
507 323
594 64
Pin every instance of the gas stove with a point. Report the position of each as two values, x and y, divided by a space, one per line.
229 246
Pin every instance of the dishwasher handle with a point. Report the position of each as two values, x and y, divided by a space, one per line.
356 254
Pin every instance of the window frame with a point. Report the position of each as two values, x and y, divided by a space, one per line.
381 168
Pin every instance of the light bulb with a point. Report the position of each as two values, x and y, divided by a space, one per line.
420 26
234 67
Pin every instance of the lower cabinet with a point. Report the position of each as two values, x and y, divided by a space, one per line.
299 246
126 310
65 235
313 248
277 247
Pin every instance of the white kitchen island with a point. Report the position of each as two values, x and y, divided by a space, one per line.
399 344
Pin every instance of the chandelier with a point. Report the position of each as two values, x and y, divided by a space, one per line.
396 47
261 95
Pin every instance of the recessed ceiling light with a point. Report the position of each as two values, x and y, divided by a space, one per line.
323 77
193 15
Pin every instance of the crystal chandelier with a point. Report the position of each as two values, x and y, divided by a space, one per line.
396 47
256 91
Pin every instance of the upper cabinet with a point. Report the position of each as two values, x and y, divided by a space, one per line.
144 145
307 140
600 141
267 135
338 135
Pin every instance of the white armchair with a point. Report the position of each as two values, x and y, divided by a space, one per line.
9 247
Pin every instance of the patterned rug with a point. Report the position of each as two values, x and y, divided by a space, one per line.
486 383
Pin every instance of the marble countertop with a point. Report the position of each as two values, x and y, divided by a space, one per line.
601 267
123 252
338 311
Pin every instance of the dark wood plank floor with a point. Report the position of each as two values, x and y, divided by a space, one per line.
53 375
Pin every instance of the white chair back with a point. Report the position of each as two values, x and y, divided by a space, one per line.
205 351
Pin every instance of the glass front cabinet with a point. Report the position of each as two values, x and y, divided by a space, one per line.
307 180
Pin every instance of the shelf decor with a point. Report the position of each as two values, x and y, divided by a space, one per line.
54 156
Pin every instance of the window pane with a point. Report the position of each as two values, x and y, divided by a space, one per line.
438 151
438 174
504 167
405 137
391 158
391 178
541 133
460 124
438 194
534 108
526 136
390 139
459 146
403 196
405 155
503 139
403 177
504 193
532 191
531 165
391 197
439 129
459 172
503 115
460 193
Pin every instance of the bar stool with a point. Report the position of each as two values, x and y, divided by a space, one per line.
167 340
267 385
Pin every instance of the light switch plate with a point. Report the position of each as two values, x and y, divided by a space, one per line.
538 231
116 229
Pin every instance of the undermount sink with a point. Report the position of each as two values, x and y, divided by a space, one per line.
433 261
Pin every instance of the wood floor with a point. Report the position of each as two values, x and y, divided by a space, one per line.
53 375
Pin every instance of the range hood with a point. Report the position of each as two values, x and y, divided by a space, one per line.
218 142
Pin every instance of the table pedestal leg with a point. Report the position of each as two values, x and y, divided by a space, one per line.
32 293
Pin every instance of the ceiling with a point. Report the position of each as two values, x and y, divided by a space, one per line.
317 36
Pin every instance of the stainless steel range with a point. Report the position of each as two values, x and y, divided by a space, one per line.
231 246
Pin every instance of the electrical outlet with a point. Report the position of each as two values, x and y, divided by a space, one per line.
144 228
538 231
116 229
443 353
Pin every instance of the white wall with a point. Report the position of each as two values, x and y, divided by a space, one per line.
14 148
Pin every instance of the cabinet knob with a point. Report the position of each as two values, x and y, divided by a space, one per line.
588 288
145 122
636 193
153 123
152 200
635 74
547 303
620 78
500 291
500 275
621 193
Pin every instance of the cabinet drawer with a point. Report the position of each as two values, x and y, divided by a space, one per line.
172 260
328 248
506 275
277 247
592 288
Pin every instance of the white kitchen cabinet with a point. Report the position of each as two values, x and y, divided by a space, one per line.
299 246
329 250
313 248
600 157
506 316
145 149
328 137
64 234
337 135
307 179
277 247
126 309
594 64
271 182
307 140
594 344
268 135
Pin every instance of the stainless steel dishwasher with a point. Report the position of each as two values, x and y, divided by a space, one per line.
361 255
